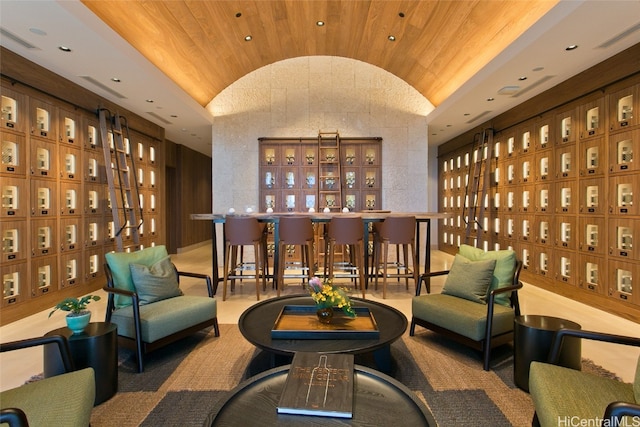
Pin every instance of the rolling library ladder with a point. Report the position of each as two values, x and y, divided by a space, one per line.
329 170
475 202
124 194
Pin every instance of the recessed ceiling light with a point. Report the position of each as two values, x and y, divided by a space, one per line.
64 48
115 79
238 15
401 14
320 23
174 116
538 69
522 78
571 47
38 31
449 126
467 114
490 99
149 101
248 38
392 38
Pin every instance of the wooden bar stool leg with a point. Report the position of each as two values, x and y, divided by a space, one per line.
258 267
385 254
359 259
226 271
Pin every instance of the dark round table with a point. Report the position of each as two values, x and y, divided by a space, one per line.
96 347
257 322
532 340
377 400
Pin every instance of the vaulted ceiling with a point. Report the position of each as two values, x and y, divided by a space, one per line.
438 44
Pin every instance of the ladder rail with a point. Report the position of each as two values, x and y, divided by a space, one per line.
474 208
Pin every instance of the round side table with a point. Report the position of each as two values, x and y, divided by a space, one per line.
532 340
96 347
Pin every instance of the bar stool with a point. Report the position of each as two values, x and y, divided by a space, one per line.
400 231
347 231
295 231
240 231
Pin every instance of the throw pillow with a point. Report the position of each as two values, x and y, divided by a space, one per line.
469 279
119 265
502 275
156 282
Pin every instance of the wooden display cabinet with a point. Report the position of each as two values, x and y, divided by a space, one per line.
622 148
526 138
371 200
95 199
593 157
622 189
566 231
371 154
15 198
592 118
544 133
43 158
544 197
44 119
69 128
565 266
94 231
591 235
527 168
290 155
71 229
94 168
511 148
623 107
14 158
509 225
566 197
510 199
71 266
592 273
526 254
70 163
592 195
621 275
44 198
544 163
14 110
624 235
525 228
44 237
92 138
15 282
14 240
566 126
71 198
93 262
510 175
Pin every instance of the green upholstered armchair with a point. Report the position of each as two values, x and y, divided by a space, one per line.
147 305
479 301
566 395
63 400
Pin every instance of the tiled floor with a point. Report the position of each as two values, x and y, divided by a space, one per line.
16 367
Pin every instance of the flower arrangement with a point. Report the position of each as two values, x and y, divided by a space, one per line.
328 296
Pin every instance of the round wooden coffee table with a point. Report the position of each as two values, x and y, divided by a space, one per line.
257 322
377 400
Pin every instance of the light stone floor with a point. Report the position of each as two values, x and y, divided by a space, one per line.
17 366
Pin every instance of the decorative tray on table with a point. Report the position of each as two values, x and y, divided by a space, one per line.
301 322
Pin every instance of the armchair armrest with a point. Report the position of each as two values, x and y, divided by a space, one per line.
15 417
616 410
559 336
210 288
428 275
59 340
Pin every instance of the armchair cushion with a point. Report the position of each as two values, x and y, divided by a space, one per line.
503 273
469 279
119 264
156 282
636 383
63 400
461 316
557 391
165 317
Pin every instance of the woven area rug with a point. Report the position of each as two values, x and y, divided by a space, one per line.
182 382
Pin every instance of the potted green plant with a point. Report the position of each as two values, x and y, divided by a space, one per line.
78 317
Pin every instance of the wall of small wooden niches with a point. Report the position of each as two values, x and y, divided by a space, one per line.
55 220
562 196
290 182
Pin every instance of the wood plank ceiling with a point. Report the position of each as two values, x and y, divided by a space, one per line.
438 44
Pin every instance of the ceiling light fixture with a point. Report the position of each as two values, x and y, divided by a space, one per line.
64 48
320 23
392 38
115 79
490 99
149 101
401 14
238 15
571 47
248 38
38 31
522 78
